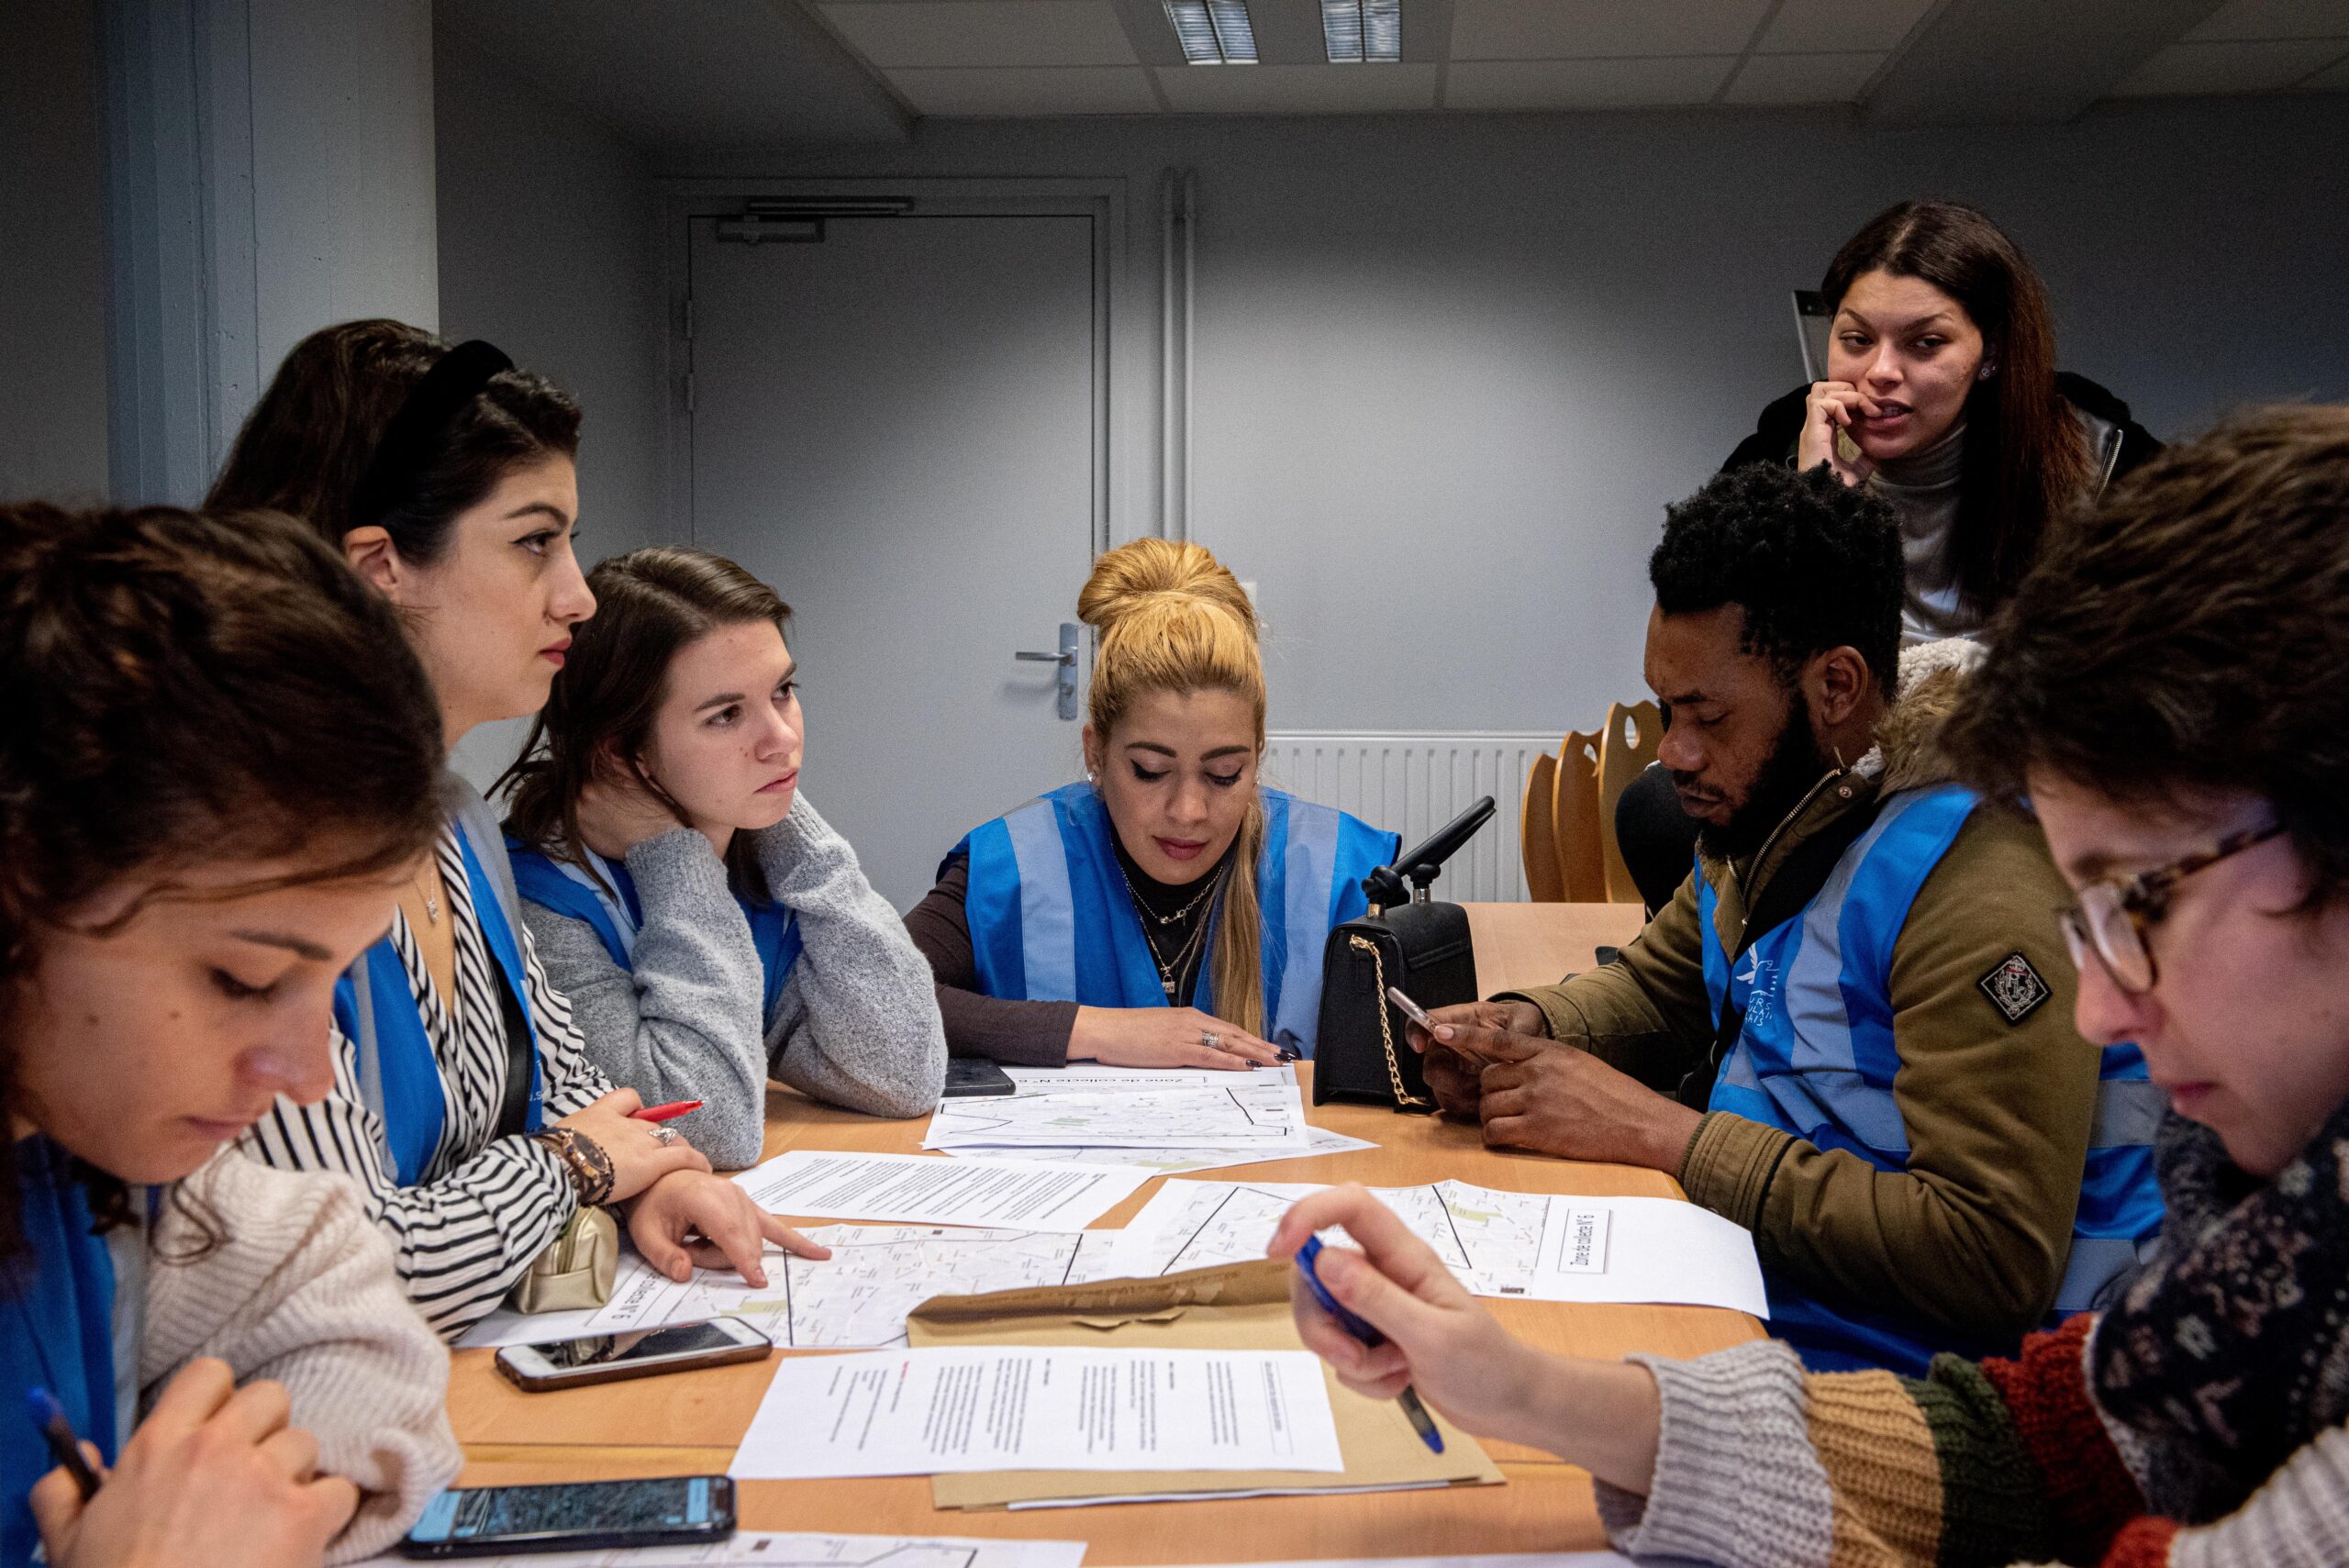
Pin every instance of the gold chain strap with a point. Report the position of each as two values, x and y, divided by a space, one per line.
1386 1027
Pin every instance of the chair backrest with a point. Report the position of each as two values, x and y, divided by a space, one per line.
1629 745
1537 833
1581 866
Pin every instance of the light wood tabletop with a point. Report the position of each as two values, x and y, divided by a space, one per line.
689 1422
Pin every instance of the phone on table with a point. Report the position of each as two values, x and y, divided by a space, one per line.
611 1358
488 1521
977 1075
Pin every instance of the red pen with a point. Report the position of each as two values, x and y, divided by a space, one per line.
669 1112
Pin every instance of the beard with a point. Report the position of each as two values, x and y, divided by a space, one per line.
1795 765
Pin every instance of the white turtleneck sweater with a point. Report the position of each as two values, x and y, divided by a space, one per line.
1922 489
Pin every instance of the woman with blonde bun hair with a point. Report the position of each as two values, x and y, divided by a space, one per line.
1167 911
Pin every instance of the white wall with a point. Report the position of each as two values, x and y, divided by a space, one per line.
53 256
547 250
1448 373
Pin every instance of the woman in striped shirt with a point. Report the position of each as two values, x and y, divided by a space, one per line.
2165 691
463 1103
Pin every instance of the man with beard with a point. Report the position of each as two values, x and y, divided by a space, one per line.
1850 1031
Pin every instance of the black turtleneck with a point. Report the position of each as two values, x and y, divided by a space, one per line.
1159 899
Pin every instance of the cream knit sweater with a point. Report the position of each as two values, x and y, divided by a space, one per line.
302 1291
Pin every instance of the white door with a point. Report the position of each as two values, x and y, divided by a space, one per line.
895 428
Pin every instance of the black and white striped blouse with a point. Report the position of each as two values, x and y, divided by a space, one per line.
484 1207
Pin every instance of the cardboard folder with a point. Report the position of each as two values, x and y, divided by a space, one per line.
1240 1307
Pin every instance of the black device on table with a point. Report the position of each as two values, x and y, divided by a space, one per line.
612 1358
977 1075
573 1516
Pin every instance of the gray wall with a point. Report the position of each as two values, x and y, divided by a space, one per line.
53 254
1448 373
547 250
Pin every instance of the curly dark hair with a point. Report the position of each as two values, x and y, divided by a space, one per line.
1815 563
186 688
307 443
2189 634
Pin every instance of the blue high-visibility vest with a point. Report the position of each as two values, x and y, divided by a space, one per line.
1050 918
1816 1058
613 911
399 1078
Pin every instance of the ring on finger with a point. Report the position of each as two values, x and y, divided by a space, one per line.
1211 1039
666 1135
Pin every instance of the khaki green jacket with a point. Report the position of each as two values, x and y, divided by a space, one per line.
1972 1237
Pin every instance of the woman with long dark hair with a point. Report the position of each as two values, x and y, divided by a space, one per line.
463 1103
709 928
1942 395
217 765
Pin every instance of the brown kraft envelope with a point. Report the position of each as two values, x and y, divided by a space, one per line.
1240 1307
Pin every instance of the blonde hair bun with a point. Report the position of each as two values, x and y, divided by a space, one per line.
1158 575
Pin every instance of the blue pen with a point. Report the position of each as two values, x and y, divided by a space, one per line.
1421 1422
49 1419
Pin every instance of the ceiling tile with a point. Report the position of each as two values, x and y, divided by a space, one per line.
1579 29
2274 19
1027 93
1803 78
1840 27
943 34
2239 67
1297 89
1584 84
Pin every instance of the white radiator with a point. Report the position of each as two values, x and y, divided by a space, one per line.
1413 784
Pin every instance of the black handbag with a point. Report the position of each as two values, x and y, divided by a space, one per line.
1421 948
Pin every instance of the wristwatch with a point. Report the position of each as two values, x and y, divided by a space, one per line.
589 1167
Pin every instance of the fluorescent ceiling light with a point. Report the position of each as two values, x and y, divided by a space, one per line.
1357 30
1214 32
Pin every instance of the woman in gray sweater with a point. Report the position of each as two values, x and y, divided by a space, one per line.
709 928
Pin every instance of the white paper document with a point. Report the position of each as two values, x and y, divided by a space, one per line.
1534 1246
857 1298
1168 1162
776 1548
1252 1112
915 1189
930 1412
1497 1560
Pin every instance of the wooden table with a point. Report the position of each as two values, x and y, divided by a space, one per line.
690 1422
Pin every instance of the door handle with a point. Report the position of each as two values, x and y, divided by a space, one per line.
1064 685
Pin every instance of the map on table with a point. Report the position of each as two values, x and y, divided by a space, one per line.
776 1548
1489 1239
1245 1116
859 1297
1319 1140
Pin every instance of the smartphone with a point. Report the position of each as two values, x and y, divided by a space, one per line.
488 1521
1411 1009
610 1358
977 1075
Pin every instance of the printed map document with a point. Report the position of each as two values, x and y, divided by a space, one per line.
776 1548
915 1189
858 1298
1255 1112
1536 1246
1169 1161
931 1412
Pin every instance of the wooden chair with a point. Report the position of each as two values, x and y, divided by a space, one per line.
1581 865
1537 833
1629 745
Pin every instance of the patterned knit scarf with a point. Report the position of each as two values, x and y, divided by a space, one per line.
2231 1351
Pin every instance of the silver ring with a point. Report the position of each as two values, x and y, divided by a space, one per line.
1211 1039
667 1134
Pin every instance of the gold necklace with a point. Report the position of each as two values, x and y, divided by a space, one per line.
431 903
1142 908
1169 971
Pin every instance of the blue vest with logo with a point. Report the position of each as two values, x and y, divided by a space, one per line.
399 1078
1051 921
1817 1057
612 910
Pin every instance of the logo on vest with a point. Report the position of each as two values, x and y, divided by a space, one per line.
1760 980
2015 988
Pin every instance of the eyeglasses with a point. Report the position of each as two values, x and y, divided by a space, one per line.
2113 916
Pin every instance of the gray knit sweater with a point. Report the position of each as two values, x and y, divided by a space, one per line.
857 1023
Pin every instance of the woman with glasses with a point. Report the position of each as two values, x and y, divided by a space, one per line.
2164 693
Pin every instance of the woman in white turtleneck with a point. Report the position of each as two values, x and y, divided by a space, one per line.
1941 394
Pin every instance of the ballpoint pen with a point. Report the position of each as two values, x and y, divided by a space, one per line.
1417 1413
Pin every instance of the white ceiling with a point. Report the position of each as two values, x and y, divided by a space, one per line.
743 72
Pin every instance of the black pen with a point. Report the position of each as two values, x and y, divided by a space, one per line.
48 1417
